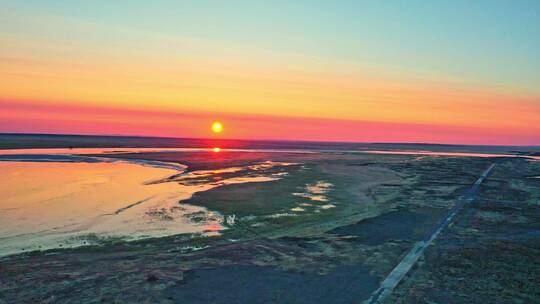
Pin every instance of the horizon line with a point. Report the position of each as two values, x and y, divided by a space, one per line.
266 140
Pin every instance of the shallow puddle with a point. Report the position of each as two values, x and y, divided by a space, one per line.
49 204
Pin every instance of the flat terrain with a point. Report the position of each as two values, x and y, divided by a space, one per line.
491 253
329 230
34 141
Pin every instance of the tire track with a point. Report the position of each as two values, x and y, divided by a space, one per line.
408 261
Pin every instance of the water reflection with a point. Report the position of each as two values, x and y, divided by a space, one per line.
78 151
454 154
52 204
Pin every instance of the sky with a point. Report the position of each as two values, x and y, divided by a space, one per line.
464 72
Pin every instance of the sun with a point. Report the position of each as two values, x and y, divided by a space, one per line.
216 149
217 127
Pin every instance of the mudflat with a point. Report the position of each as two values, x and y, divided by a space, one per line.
294 227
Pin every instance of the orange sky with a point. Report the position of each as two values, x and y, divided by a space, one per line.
34 118
165 97
61 74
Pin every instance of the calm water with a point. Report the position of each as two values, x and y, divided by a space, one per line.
51 204
78 151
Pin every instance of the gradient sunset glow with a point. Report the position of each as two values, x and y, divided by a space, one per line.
466 72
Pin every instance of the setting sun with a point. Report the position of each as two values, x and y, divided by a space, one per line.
217 149
217 127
